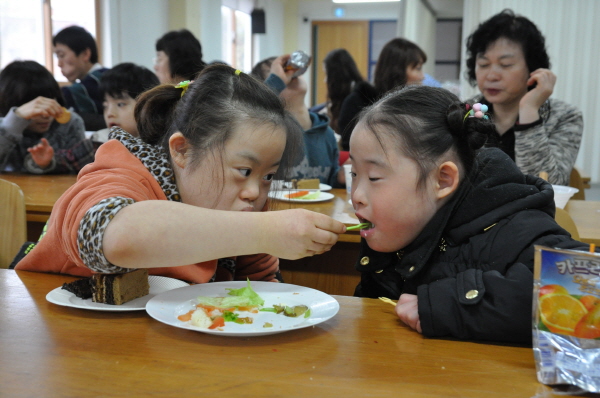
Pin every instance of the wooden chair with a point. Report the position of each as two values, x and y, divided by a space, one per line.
13 221
564 220
576 181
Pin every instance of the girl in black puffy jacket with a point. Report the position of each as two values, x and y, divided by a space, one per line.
453 225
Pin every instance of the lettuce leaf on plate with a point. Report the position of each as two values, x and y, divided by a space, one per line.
243 297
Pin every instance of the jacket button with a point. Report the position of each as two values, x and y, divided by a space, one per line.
379 271
411 269
471 294
364 261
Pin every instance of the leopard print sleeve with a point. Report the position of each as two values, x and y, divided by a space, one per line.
91 231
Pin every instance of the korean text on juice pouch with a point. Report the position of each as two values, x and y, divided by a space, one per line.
566 318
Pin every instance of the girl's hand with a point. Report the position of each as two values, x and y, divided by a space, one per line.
408 311
297 233
39 107
278 68
531 102
42 153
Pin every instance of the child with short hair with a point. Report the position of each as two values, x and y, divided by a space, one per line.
77 57
190 190
120 87
452 226
30 102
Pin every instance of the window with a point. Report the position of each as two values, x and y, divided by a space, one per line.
236 38
447 50
27 27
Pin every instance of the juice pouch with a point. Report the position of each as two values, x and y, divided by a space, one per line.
566 318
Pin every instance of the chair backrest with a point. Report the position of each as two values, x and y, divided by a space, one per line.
13 221
564 220
576 181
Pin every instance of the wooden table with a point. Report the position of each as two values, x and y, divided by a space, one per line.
586 215
41 192
49 350
332 272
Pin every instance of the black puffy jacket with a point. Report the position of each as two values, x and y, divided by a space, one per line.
472 265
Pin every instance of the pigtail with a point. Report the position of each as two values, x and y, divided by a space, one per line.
470 132
154 112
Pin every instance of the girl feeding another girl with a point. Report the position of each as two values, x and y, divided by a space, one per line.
192 190
452 226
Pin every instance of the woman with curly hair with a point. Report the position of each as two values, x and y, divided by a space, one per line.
508 62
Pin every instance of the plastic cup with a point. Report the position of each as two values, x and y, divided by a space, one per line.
347 168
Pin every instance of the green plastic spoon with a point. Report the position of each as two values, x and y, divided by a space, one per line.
359 226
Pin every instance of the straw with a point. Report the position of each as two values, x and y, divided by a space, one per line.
387 300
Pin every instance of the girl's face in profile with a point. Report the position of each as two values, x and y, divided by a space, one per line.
239 178
385 192
414 74
161 68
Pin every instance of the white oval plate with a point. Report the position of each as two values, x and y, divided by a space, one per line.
280 195
279 184
158 284
166 307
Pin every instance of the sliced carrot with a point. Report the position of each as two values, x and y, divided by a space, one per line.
249 308
217 323
185 317
296 194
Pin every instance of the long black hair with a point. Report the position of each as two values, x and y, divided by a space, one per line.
342 75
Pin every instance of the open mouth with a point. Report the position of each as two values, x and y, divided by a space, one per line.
365 224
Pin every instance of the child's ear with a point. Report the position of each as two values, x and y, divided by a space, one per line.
178 148
447 179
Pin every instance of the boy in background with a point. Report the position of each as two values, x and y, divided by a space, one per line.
120 87
77 56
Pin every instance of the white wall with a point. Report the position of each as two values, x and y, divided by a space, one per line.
130 30
419 27
271 43
572 32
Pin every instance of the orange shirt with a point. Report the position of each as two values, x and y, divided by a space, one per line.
117 172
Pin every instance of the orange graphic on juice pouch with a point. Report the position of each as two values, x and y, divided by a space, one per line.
589 326
590 302
561 312
564 314
548 289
